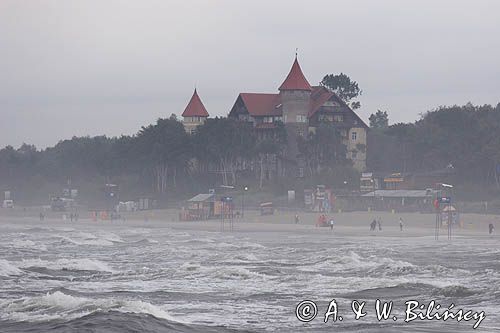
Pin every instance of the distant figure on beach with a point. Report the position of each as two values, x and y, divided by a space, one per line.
400 224
491 228
373 225
331 224
321 220
379 224
41 216
71 216
296 218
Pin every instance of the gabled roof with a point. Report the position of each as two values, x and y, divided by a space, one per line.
262 104
319 96
195 107
295 79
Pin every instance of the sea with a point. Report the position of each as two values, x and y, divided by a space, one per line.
103 277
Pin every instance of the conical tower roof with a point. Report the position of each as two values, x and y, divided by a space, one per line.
295 79
195 107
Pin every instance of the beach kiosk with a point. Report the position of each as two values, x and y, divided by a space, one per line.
266 208
199 207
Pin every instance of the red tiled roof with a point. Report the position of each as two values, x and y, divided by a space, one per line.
319 96
295 79
262 104
195 107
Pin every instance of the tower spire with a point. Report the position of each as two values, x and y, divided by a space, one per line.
295 79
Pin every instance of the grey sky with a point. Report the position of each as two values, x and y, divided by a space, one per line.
94 67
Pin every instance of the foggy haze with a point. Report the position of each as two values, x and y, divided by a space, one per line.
109 67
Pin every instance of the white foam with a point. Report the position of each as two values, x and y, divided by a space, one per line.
88 241
58 305
8 269
69 264
27 244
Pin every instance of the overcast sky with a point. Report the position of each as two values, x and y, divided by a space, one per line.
91 67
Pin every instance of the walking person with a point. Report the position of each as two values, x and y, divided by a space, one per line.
400 224
379 224
331 224
373 225
296 218
491 228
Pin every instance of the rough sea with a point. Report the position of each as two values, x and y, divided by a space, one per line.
84 277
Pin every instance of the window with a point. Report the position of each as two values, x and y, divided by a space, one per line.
284 118
330 103
301 118
325 117
343 133
354 155
338 118
354 136
268 119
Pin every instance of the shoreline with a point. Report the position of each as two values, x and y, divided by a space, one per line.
352 224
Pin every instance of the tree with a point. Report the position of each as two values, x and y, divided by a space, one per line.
323 149
225 142
164 149
379 120
344 88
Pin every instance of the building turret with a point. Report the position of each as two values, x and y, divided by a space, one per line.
295 93
195 113
295 97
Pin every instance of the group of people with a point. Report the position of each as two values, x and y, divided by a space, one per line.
378 222
374 224
324 222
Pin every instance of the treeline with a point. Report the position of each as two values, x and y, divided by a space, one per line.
466 138
162 160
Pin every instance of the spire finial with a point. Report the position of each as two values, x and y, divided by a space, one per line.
296 52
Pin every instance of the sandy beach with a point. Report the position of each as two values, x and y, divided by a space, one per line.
346 224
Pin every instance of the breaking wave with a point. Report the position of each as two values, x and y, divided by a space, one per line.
68 264
62 306
8 269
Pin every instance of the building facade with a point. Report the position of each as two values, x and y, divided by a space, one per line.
302 108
